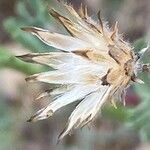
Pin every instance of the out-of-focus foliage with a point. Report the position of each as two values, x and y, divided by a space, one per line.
34 13
6 125
139 115
28 13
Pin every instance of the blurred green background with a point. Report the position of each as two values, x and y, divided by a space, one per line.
125 128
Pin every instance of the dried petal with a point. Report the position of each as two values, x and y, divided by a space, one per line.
94 66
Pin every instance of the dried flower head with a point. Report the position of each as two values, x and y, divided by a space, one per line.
94 65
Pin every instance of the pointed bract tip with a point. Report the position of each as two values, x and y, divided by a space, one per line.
142 51
29 120
115 31
33 30
62 134
26 57
83 11
53 13
100 20
19 57
31 78
27 29
137 80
